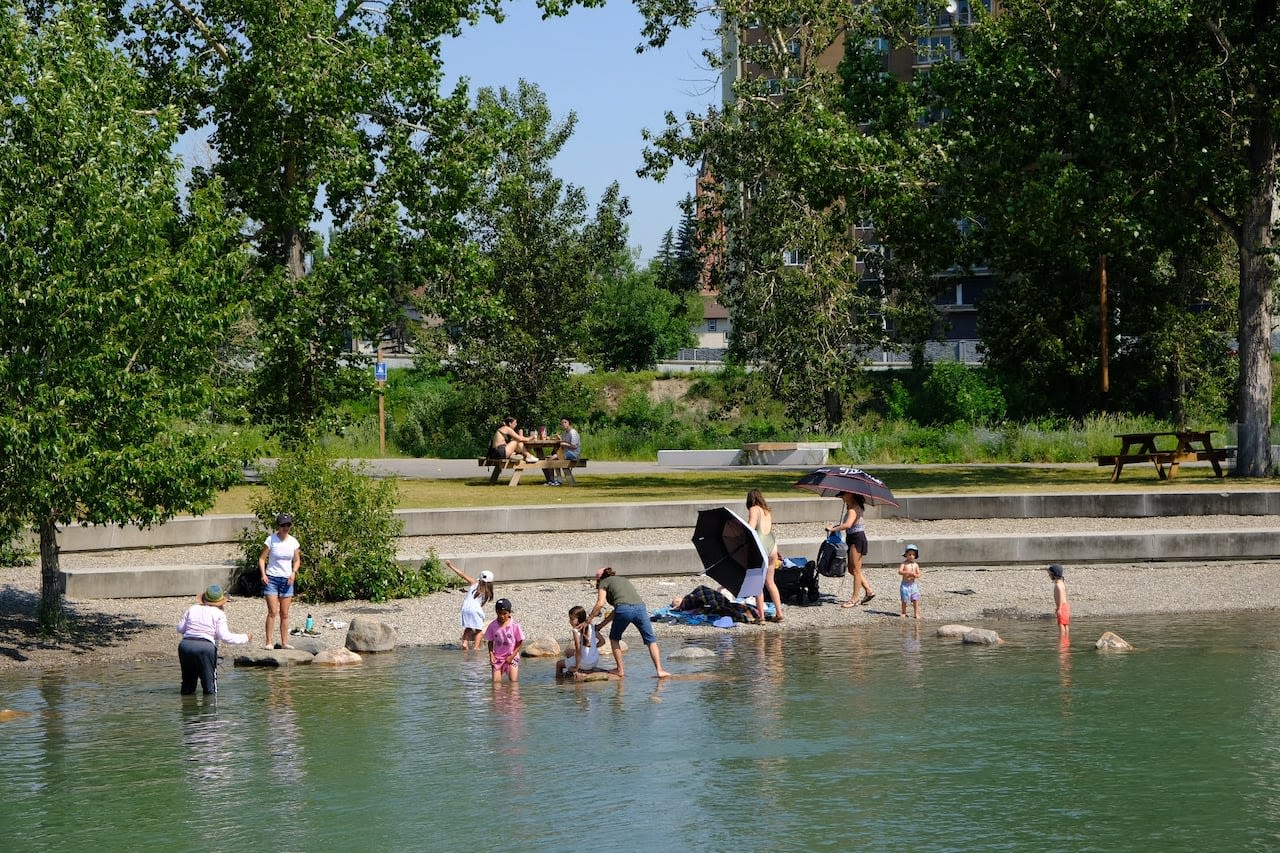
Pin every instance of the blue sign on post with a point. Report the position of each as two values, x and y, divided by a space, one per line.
380 371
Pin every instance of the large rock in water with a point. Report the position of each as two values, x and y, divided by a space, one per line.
982 637
691 653
953 630
543 647
272 657
370 635
1110 642
337 657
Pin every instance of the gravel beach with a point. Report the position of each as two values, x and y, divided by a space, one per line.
110 630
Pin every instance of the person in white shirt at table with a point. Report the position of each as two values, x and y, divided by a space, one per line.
570 447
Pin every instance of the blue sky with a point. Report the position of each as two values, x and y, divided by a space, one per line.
586 63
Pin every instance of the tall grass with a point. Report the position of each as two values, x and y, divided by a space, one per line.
905 442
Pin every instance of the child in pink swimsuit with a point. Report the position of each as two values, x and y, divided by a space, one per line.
505 638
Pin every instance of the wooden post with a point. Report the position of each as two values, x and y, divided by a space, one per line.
1103 332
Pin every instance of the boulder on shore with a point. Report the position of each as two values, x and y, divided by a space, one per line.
272 657
337 657
367 634
542 647
1111 642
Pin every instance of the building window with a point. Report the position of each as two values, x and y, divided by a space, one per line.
793 48
933 49
793 258
711 325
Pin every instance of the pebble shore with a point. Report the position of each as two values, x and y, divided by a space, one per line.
112 630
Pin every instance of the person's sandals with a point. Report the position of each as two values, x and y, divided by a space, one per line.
773 618
867 598
850 603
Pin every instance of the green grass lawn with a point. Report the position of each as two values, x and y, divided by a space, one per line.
733 485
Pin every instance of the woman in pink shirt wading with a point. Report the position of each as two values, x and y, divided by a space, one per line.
202 627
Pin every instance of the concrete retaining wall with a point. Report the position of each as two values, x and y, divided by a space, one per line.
587 517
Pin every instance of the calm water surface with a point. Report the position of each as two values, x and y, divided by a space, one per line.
871 739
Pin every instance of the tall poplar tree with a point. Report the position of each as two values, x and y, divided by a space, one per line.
114 301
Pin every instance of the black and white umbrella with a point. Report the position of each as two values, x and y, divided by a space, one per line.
839 480
731 552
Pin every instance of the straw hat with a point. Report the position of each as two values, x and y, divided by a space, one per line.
214 595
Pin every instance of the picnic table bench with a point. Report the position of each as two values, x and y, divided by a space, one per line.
518 466
1190 446
801 452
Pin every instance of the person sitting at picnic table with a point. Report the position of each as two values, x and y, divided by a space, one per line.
570 447
570 441
508 443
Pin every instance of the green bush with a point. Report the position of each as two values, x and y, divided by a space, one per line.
347 528
957 394
13 549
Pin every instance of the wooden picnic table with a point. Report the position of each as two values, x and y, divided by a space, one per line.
1189 446
551 462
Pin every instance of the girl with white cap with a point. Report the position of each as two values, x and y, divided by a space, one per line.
479 593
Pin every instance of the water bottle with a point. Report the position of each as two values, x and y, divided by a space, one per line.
311 623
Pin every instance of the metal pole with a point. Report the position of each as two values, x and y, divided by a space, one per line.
382 412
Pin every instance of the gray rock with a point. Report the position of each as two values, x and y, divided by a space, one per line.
953 630
1110 642
367 634
982 637
691 653
542 647
337 657
272 657
309 644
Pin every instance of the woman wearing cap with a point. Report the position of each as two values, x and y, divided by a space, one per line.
628 609
479 593
202 627
281 555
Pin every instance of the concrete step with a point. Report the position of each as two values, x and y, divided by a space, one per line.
143 581
1127 546
640 516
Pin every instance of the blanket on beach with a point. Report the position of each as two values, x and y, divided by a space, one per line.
703 606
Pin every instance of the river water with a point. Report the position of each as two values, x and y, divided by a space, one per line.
880 738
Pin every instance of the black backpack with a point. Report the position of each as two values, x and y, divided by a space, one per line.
833 559
797 584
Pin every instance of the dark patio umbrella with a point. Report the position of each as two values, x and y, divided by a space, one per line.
833 481
730 550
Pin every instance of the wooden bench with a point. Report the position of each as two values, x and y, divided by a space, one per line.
518 466
807 452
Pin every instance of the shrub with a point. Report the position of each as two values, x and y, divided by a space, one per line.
346 524
954 393
14 550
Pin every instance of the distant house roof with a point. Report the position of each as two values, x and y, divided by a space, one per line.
713 310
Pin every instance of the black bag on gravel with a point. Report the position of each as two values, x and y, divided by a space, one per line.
833 558
797 584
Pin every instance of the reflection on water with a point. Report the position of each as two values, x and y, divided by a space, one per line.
879 737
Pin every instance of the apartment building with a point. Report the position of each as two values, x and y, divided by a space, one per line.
958 301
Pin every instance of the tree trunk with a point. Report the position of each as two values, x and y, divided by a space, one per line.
1257 274
831 402
50 612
